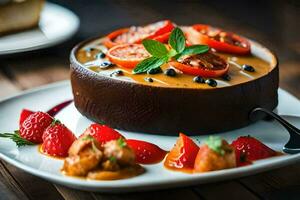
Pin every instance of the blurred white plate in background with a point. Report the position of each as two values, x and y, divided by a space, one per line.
57 24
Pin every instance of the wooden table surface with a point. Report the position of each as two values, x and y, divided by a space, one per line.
21 72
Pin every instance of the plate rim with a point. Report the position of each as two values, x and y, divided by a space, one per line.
48 43
132 186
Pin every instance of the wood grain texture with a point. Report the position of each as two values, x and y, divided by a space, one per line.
34 187
268 183
6 86
71 194
229 190
10 189
160 194
99 17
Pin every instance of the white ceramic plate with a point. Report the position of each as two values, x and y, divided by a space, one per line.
156 177
57 24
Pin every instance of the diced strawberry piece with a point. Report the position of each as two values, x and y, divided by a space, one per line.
248 148
183 154
102 133
146 152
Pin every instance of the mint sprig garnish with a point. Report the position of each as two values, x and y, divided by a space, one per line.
215 144
177 40
155 48
149 63
16 138
195 49
161 55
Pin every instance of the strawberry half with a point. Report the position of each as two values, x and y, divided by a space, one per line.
248 148
25 113
33 127
102 133
146 152
57 140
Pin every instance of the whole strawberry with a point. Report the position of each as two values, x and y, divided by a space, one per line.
57 139
102 133
33 127
25 113
248 148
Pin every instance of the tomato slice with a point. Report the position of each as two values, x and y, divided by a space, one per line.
146 152
157 31
127 55
109 39
219 39
183 154
205 65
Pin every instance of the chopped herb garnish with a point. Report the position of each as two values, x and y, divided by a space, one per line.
121 142
87 137
112 159
161 55
215 144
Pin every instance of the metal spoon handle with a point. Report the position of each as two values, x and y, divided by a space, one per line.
293 145
282 121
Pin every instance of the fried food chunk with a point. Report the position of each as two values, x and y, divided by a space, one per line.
216 154
120 152
84 155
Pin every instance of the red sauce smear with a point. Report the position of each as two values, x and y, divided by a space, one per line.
56 109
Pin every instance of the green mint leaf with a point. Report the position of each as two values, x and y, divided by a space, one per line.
215 144
172 53
155 48
149 63
177 40
195 49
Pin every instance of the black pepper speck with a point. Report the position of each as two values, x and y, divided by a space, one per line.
100 55
248 68
170 72
154 71
89 49
211 82
148 79
198 79
117 73
106 64
226 77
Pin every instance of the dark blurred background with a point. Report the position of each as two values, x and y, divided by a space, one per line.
274 23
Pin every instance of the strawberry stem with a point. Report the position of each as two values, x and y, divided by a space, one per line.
55 121
16 138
